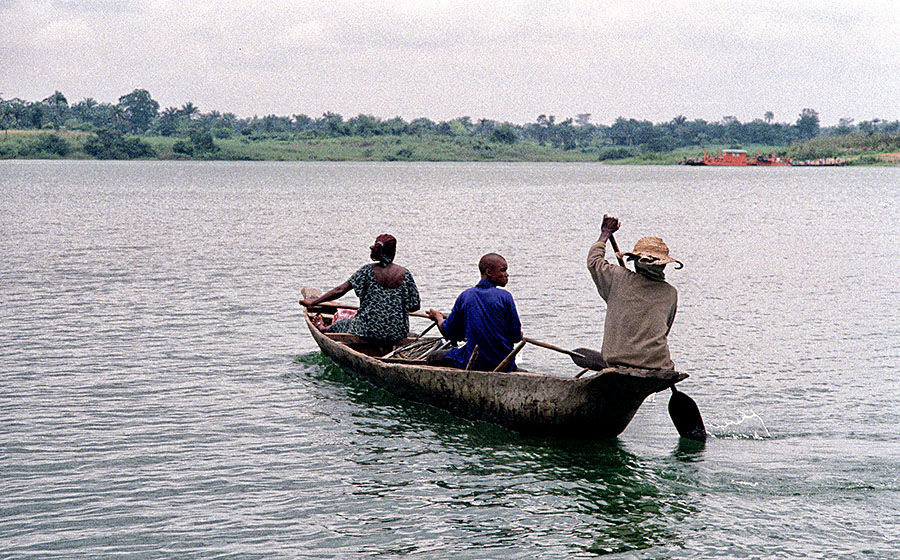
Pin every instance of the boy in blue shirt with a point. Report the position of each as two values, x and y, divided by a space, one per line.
484 316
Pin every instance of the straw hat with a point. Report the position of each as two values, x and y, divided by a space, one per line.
652 251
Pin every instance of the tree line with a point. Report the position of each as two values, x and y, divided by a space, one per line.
138 114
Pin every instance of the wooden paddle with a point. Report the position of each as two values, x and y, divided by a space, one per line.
683 411
336 305
615 248
686 416
509 358
428 328
583 357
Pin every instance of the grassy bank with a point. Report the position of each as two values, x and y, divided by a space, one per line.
381 148
65 144
858 148
75 145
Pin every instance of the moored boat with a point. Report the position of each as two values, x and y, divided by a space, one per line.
597 405
738 158
772 161
822 162
727 157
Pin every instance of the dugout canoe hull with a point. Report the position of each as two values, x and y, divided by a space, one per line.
598 405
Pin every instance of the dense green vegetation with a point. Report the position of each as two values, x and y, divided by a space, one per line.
135 127
861 147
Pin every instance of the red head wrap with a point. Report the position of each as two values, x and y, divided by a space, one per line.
386 248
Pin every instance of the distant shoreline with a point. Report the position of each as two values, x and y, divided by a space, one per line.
79 145
136 128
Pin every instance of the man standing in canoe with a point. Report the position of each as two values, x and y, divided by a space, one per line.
485 316
640 305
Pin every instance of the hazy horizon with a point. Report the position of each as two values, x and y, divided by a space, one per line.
508 61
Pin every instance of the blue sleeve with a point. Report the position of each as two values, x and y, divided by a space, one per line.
515 325
454 324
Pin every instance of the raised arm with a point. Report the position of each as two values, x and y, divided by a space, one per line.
602 271
609 226
597 254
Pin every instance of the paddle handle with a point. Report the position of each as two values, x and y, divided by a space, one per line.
472 357
348 306
615 248
505 363
428 328
550 347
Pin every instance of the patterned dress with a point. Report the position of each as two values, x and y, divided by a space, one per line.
383 312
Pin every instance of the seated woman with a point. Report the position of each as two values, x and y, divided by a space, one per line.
387 294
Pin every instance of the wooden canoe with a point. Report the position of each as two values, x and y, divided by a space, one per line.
595 406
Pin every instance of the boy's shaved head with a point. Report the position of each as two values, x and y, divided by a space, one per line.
491 260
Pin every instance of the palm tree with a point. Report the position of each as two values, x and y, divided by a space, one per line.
59 104
59 99
84 109
6 113
167 123
118 116
189 110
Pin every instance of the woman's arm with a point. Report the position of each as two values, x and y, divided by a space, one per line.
331 294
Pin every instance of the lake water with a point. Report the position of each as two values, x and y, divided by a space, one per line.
160 398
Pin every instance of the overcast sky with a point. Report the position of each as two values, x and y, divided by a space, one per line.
507 61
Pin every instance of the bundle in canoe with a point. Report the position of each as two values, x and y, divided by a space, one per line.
594 406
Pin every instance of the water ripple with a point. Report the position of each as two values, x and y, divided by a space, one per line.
159 398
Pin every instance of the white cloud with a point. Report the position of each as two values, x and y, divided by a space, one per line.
71 34
441 59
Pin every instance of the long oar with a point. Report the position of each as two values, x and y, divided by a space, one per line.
615 246
682 409
428 328
509 358
312 292
336 305
583 357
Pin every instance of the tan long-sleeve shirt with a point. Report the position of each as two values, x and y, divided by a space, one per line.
639 313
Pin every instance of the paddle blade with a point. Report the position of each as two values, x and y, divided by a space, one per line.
686 416
310 293
587 358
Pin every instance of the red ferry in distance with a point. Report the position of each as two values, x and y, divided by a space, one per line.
738 158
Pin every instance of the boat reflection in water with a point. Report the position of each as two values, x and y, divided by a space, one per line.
620 502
